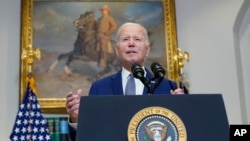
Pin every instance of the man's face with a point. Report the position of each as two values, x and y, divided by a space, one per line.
105 12
132 45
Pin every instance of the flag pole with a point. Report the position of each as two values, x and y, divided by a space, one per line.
28 55
30 123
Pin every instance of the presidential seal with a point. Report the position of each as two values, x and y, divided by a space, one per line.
156 124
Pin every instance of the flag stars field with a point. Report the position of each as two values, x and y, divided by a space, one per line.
30 123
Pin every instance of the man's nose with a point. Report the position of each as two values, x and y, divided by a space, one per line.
131 43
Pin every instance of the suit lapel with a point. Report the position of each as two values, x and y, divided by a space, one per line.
116 83
148 76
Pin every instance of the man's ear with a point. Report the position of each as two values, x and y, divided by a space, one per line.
148 51
116 50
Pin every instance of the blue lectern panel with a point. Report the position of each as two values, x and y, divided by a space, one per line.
106 118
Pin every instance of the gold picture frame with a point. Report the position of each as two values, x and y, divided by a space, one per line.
29 50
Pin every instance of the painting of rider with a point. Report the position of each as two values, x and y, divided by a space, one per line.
77 41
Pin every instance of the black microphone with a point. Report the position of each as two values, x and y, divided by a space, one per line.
157 69
137 70
159 74
138 73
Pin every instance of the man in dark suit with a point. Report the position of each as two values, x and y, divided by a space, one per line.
132 47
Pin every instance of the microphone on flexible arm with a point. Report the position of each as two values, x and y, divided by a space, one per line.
159 74
138 73
158 71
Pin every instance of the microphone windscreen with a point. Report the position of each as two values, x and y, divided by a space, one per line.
137 70
154 66
157 69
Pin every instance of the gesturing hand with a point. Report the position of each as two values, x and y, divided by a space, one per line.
72 105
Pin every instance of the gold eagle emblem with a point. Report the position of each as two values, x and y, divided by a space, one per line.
157 134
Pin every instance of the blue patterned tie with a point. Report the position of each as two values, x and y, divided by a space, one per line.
130 86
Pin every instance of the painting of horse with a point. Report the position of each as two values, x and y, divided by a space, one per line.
66 34
86 47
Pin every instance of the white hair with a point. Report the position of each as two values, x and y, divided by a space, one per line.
136 24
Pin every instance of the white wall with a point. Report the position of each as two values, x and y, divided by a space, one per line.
9 62
205 30
242 47
245 50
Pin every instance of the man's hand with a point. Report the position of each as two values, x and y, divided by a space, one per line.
72 105
177 91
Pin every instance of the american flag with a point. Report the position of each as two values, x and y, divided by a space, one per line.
30 125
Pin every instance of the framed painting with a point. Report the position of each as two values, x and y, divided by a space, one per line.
52 29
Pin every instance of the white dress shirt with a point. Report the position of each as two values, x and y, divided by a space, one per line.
139 86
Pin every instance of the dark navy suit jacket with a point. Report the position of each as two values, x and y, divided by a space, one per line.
112 85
